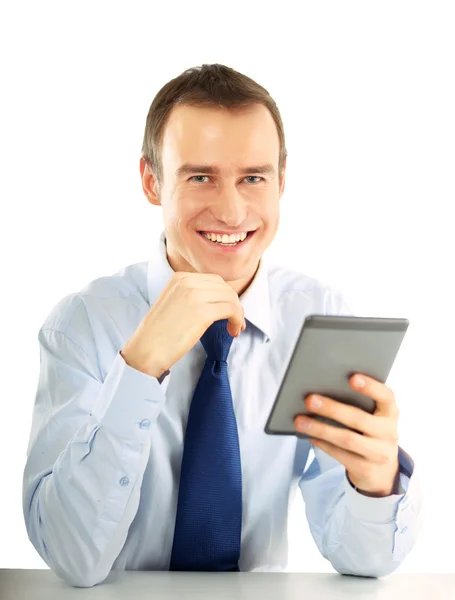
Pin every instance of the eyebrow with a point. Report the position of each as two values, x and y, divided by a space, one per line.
188 168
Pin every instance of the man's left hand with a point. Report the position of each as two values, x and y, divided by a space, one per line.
371 459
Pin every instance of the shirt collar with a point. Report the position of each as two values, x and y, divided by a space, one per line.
255 300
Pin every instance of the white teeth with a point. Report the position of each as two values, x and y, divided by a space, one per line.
225 239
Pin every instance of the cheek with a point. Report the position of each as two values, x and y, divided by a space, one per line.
177 210
188 205
269 210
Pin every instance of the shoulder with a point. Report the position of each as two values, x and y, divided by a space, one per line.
78 314
294 290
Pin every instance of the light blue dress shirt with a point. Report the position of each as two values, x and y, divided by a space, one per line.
100 484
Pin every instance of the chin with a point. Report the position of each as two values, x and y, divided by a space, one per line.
228 273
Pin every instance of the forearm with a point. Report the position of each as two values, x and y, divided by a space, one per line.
81 486
360 535
79 515
369 536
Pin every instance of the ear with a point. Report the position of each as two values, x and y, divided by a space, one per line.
283 178
149 183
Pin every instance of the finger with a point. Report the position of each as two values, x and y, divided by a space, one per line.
379 392
180 275
372 425
352 462
206 281
219 291
221 308
372 449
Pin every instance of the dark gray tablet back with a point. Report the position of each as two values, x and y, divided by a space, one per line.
328 351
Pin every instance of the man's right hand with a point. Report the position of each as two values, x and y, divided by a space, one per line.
182 313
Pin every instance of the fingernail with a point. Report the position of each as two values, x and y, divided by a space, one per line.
304 423
359 381
315 402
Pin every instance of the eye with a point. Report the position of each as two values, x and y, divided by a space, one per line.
193 178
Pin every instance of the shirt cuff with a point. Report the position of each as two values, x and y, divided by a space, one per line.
380 509
130 402
163 376
370 508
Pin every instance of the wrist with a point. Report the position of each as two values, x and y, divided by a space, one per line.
149 369
394 488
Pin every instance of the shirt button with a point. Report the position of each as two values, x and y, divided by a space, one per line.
124 481
404 529
145 424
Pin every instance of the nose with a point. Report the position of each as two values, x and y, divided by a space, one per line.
229 207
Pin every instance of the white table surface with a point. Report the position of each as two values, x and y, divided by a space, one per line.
42 584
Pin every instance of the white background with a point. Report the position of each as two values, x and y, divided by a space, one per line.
366 92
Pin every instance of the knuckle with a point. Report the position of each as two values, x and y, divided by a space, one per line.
178 275
184 280
383 458
235 306
348 439
192 295
387 428
386 453
359 423
393 437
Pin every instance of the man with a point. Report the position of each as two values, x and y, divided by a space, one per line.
147 448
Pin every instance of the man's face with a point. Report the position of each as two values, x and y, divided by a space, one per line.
236 198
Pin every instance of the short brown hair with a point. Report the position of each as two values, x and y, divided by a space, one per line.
209 85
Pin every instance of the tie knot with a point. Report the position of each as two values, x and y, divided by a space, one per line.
217 341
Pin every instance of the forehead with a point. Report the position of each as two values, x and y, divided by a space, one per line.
228 137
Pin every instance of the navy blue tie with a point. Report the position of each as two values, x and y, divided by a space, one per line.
208 524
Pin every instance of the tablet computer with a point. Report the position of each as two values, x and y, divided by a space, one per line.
328 351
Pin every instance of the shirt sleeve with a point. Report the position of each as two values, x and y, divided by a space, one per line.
358 534
88 450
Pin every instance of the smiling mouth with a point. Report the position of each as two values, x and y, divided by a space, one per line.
229 244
